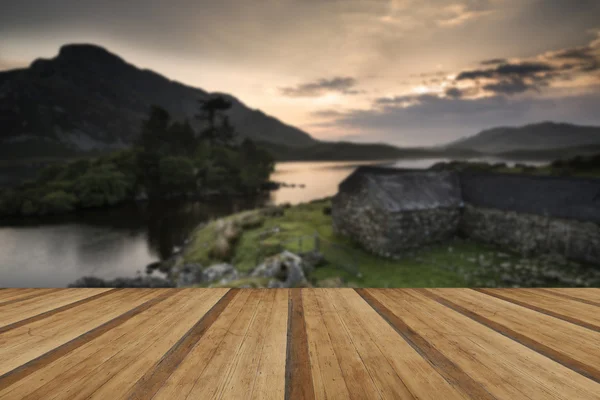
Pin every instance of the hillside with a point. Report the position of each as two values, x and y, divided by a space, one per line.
348 151
541 136
88 99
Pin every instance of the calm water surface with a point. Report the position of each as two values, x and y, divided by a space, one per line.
119 242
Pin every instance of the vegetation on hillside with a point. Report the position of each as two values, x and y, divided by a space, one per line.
246 238
168 160
577 166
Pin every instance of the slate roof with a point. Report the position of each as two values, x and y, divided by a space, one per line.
397 190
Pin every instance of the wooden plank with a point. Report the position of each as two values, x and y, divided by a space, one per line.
90 296
357 373
239 383
11 313
298 378
23 294
269 383
326 371
21 345
70 360
442 364
183 379
395 367
149 384
31 367
505 368
211 381
581 295
10 293
568 310
119 373
572 346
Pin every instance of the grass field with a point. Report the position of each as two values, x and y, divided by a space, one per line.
252 235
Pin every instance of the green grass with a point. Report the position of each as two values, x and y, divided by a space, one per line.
443 265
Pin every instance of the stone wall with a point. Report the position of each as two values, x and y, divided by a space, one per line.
559 197
530 233
389 234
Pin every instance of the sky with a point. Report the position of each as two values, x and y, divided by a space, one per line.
406 72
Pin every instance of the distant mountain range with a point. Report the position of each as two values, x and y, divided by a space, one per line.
87 98
544 137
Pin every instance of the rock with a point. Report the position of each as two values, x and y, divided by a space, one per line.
189 274
137 282
336 282
285 267
312 260
223 273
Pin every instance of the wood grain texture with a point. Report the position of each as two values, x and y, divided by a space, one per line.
504 367
568 310
299 344
577 295
539 332
298 378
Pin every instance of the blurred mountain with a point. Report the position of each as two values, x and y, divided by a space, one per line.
88 99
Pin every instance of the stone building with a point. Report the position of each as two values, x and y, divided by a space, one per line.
388 212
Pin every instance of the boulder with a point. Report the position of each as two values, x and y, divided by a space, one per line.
286 268
189 274
223 273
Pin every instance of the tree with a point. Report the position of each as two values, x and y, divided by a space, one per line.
210 109
102 186
177 175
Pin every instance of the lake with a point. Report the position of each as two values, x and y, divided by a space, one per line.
119 242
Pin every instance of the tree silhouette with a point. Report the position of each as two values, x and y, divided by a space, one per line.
210 109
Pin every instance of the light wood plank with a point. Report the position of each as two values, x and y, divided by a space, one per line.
213 378
85 358
240 381
585 294
570 310
113 377
326 371
23 344
506 368
15 312
269 382
14 295
573 346
181 382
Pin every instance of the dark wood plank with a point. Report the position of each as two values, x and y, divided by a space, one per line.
298 378
443 365
147 386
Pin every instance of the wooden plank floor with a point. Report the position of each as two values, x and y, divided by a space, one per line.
300 344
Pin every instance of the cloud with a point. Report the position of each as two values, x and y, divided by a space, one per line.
321 87
515 69
442 119
494 61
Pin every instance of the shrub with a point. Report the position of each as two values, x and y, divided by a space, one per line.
102 186
29 208
57 202
10 203
176 174
221 249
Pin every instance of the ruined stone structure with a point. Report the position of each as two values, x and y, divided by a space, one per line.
389 211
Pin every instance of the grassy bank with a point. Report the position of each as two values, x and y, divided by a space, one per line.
244 239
